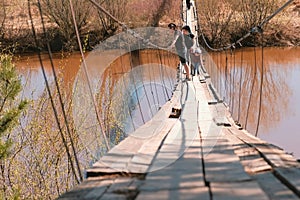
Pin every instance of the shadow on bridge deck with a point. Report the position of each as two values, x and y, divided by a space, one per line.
192 157
201 154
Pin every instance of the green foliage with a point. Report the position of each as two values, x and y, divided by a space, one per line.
10 86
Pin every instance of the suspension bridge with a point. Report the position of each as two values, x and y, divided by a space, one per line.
192 148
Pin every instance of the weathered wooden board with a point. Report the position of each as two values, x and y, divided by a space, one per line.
272 154
171 153
247 190
273 187
291 177
200 193
223 165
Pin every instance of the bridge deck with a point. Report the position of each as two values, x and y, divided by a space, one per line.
195 156
201 154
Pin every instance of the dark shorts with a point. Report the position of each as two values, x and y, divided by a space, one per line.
182 56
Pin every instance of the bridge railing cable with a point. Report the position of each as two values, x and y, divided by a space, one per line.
55 110
226 72
123 25
87 76
253 30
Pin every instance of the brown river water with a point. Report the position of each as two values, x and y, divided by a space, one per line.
280 116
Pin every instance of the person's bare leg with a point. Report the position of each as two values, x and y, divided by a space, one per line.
186 68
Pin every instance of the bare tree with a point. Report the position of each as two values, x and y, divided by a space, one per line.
115 7
255 11
59 12
2 18
216 16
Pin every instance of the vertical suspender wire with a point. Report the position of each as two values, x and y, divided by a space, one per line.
162 74
180 67
172 83
51 97
222 76
252 88
143 84
166 60
233 83
181 8
231 79
226 76
59 94
219 66
261 85
155 85
150 68
134 84
186 14
240 85
123 72
87 76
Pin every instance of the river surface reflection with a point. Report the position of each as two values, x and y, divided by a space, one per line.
240 74
280 114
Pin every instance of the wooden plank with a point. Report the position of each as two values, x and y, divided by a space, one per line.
221 114
132 154
129 155
187 194
182 172
142 160
177 141
245 136
272 154
221 121
251 160
89 189
259 156
249 156
291 177
273 187
222 164
247 190
175 100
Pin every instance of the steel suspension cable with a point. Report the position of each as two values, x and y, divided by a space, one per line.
123 25
219 72
230 81
240 85
255 29
134 84
59 93
226 74
51 97
143 85
261 85
162 75
87 75
150 77
252 88
123 71
233 82
155 86
165 69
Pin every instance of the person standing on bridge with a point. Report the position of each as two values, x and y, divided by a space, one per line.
196 59
188 4
188 40
180 48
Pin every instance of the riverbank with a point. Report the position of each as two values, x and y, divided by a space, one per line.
93 25
222 24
